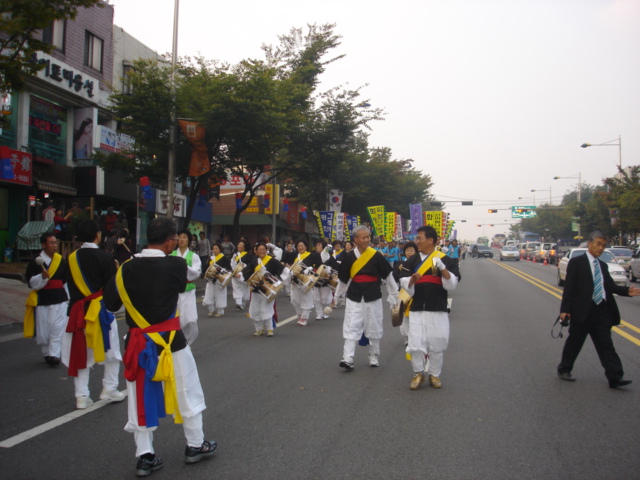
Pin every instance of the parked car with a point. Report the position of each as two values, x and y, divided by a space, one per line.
623 255
529 248
540 253
510 252
563 245
634 266
478 250
618 274
552 254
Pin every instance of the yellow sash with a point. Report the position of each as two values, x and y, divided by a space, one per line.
93 331
164 372
216 259
29 323
265 260
301 257
362 261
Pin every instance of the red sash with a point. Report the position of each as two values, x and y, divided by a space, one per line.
76 326
52 284
430 279
136 344
365 278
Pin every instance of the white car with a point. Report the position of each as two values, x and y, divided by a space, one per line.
510 252
616 271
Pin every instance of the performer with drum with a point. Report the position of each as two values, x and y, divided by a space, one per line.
218 276
364 269
428 277
187 299
288 257
409 250
303 279
239 261
322 291
263 276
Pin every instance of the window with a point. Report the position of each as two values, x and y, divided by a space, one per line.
54 34
127 70
93 51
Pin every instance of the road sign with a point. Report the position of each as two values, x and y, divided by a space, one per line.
527 211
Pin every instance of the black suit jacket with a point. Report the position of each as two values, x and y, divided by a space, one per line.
578 290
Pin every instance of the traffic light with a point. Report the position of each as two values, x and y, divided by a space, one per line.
493 211
478 225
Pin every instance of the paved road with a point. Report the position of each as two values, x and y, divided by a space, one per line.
281 408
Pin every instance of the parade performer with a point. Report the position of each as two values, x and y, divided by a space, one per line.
187 299
215 295
46 312
338 252
428 277
162 376
322 293
261 310
241 294
92 332
409 250
361 274
303 300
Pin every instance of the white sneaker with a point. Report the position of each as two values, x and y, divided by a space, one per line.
303 322
373 361
83 401
112 395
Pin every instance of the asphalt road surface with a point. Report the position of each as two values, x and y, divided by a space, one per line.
281 408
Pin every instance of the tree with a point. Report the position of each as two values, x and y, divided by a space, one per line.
623 200
21 24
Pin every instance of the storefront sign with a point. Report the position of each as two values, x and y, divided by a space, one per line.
21 163
116 142
63 75
179 203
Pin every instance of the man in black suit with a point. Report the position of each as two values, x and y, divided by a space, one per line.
588 303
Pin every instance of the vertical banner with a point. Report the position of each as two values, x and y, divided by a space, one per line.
274 200
377 219
325 223
194 132
335 200
337 232
434 219
389 225
416 217
352 222
397 234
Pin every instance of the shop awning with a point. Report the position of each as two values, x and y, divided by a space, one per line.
250 219
29 235
55 188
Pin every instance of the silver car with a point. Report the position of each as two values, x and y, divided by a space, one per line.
634 266
623 256
617 273
510 252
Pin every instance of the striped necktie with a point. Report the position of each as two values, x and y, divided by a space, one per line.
597 282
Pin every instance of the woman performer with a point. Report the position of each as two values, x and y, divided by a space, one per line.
241 292
301 300
288 257
409 250
262 310
322 293
215 295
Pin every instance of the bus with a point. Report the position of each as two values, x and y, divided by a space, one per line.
483 240
529 237
499 239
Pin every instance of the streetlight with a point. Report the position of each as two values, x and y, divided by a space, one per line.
579 177
609 144
542 190
172 124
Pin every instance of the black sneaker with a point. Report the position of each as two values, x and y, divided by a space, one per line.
144 467
193 454
239 307
346 365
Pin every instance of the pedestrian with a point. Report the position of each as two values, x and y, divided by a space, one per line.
261 308
322 292
92 332
591 309
227 247
394 254
193 244
187 299
363 269
429 275
242 257
154 328
215 294
454 252
46 313
204 250
301 295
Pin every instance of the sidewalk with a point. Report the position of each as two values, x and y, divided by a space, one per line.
14 295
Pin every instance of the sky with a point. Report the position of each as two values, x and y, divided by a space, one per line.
491 98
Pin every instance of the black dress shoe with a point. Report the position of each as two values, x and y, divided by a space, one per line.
567 377
619 383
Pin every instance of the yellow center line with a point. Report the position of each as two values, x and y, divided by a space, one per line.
557 292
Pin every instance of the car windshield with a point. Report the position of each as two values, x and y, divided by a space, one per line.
606 257
483 247
511 248
621 252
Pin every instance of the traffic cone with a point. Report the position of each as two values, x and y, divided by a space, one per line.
545 261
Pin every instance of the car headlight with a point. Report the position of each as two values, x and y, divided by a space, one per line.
617 273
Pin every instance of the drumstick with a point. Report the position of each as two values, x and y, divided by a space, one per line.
40 261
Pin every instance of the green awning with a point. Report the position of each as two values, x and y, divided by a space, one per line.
249 219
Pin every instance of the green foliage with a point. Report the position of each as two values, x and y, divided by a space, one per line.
21 22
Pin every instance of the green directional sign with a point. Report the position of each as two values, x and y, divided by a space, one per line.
523 211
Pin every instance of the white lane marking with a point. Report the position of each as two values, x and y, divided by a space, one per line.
45 427
13 336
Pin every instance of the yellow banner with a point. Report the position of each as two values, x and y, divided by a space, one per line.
377 218
434 219
273 199
389 225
